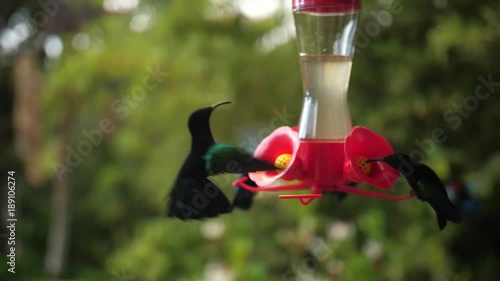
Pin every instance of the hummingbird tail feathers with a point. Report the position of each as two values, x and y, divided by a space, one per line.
445 213
442 221
244 198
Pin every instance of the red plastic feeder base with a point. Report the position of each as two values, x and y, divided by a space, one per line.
304 199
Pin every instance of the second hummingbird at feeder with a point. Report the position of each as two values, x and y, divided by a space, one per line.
426 185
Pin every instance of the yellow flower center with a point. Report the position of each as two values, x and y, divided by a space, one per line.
363 165
282 161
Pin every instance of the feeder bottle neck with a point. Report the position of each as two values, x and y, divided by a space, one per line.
325 38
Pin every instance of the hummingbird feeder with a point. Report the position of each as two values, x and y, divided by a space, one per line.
324 153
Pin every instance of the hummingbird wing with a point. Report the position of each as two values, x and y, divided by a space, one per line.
426 185
444 212
197 198
244 198
223 158
433 191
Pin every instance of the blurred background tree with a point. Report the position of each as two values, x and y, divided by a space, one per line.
117 79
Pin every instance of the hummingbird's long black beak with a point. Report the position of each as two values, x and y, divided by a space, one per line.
219 104
375 160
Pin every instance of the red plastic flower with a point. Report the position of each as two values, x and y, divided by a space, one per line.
361 145
280 148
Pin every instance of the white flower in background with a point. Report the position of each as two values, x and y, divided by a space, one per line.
143 19
339 231
120 6
53 46
213 229
373 249
258 9
216 271
81 41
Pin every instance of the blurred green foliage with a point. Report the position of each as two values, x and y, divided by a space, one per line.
404 79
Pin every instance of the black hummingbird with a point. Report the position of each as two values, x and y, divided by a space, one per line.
426 185
243 198
193 195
